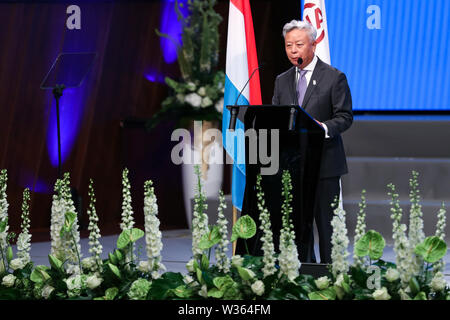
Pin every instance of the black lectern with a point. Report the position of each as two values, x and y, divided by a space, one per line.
301 141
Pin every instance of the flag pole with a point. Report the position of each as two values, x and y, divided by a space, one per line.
234 221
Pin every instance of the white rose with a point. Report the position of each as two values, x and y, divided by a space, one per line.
8 281
93 282
381 294
143 266
236 261
190 265
202 91
47 291
194 100
206 102
438 283
187 279
339 280
392 274
16 264
322 283
258 288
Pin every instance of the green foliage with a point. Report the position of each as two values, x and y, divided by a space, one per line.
371 244
210 239
244 228
129 236
432 249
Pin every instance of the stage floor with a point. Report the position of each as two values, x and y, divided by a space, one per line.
177 251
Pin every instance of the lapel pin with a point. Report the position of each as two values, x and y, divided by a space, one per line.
314 82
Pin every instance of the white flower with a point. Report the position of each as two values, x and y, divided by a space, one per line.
187 279
47 291
322 283
203 292
258 288
190 265
222 260
16 264
219 105
392 274
237 260
339 241
381 294
200 219
193 99
206 102
93 281
202 91
8 281
88 263
438 282
143 266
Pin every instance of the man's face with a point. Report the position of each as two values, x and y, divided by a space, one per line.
298 45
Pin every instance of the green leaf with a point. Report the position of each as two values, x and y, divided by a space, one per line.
432 249
129 236
414 285
55 262
244 228
39 274
3 225
215 293
9 254
69 221
198 271
204 262
245 273
421 296
118 255
210 239
371 244
115 270
182 292
327 294
112 258
111 293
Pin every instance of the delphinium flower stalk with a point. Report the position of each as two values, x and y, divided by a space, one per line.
200 219
339 241
3 219
416 234
401 243
127 222
288 259
360 229
24 238
153 234
267 236
222 260
440 233
95 247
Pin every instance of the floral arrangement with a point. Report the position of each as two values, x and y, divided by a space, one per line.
272 276
198 95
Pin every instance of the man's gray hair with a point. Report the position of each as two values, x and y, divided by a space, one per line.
301 25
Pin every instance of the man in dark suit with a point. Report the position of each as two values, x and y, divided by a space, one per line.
324 93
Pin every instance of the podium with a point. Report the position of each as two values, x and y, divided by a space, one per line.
301 141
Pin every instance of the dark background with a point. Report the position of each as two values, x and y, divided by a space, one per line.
123 34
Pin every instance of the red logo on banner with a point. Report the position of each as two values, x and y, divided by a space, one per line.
313 14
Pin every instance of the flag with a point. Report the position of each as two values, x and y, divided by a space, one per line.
241 61
315 13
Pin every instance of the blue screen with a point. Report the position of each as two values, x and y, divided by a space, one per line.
396 59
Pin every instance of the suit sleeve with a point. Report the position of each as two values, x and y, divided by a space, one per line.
275 99
341 100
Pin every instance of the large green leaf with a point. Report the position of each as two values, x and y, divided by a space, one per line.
55 262
115 270
210 239
371 244
327 294
432 249
244 228
69 220
39 274
129 236
9 254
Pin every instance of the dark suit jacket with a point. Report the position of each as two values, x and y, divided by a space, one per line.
330 102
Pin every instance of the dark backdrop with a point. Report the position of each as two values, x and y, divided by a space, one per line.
123 34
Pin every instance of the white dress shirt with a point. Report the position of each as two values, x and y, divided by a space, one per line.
310 69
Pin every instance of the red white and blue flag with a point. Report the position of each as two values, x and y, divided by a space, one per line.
241 61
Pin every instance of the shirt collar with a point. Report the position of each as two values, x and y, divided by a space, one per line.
311 65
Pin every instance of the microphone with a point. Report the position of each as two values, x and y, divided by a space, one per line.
300 61
260 66
234 111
